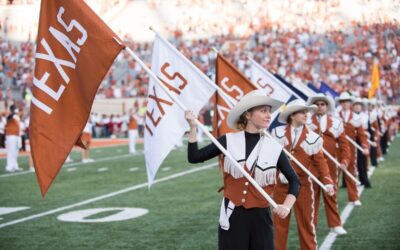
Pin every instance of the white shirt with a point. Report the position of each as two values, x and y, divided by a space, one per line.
323 120
295 137
346 115
88 128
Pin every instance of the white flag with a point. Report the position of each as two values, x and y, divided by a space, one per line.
304 88
267 81
165 123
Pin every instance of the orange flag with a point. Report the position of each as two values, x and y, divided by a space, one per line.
234 84
374 80
75 49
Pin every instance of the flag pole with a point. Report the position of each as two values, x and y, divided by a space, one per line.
334 160
204 129
355 144
208 80
372 143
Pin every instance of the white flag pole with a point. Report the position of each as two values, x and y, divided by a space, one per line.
355 144
227 98
372 143
334 160
205 130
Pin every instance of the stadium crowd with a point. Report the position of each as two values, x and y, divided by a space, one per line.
342 60
341 56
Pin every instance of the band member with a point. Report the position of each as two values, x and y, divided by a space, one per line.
306 147
383 131
373 129
86 138
245 217
132 131
360 108
12 131
331 129
353 129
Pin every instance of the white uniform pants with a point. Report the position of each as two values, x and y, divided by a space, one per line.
12 142
132 140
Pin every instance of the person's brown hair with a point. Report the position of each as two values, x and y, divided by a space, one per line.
242 121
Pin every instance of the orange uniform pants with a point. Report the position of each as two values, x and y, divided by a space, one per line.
304 213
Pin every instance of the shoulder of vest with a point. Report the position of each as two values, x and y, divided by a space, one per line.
336 122
279 132
312 137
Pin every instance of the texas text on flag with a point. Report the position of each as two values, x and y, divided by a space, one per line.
165 123
274 87
267 81
75 49
235 85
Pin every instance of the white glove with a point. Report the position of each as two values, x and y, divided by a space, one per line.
329 189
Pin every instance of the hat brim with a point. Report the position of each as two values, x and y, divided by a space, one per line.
345 99
248 103
362 103
292 109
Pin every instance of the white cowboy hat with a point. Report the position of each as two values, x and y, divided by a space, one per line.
345 96
252 99
359 101
372 101
321 97
292 107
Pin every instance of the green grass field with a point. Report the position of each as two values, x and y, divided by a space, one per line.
183 211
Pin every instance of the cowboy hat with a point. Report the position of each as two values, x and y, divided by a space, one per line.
359 101
321 97
292 107
252 99
345 96
372 101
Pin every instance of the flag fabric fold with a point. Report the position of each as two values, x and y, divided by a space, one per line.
75 49
165 123
324 88
267 81
298 93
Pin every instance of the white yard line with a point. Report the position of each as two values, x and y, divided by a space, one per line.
331 237
72 164
109 195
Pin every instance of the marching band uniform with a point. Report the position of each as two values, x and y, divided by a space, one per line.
12 131
362 160
305 146
382 129
373 129
353 129
245 217
331 130
132 133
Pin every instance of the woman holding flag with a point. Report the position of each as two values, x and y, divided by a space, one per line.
306 146
245 217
